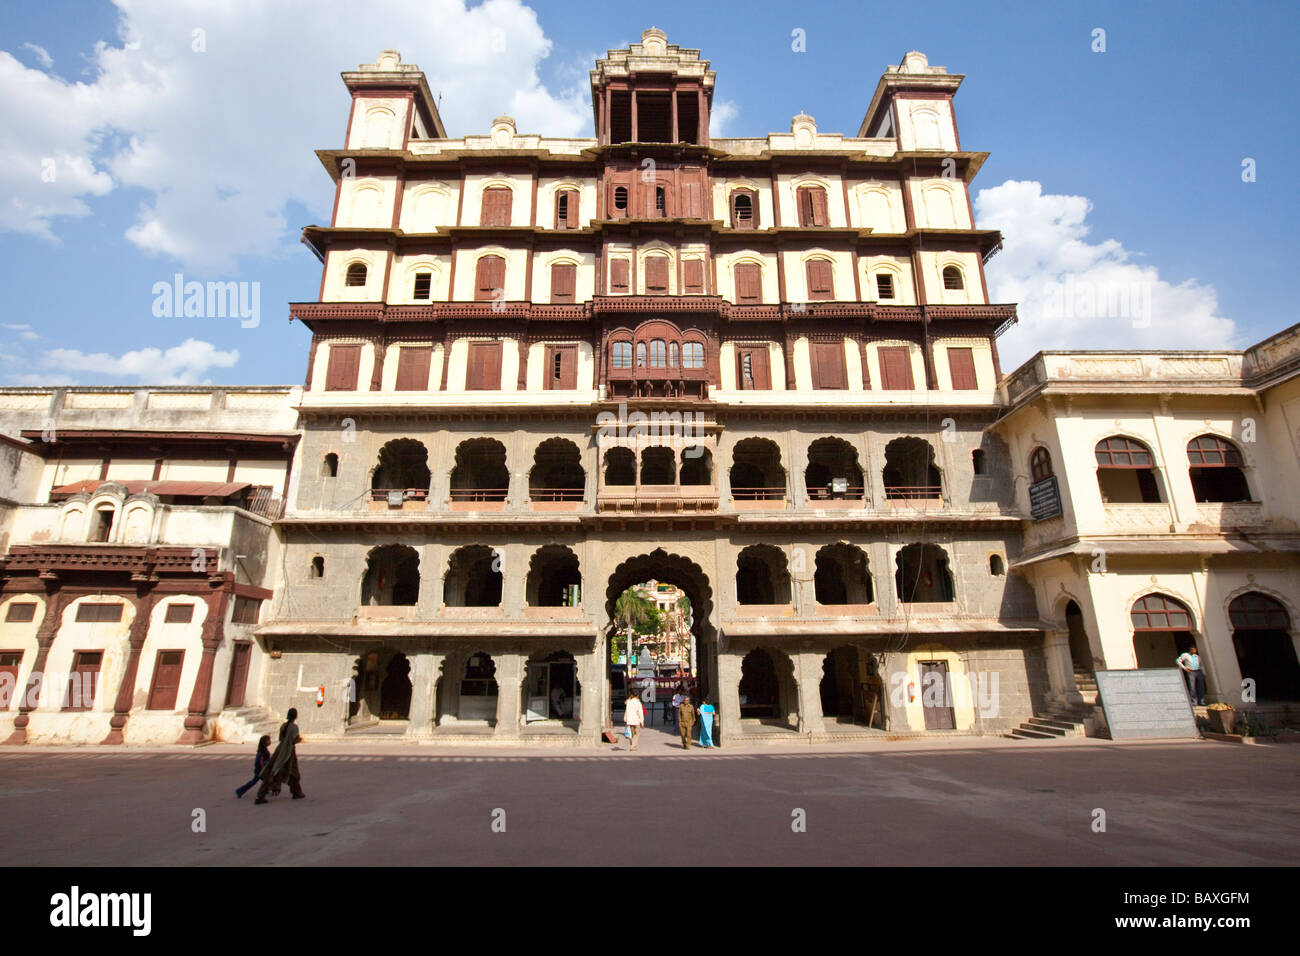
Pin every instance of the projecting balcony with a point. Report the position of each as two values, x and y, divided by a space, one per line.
670 383
399 499
838 495
1228 516
758 499
555 499
914 497
478 499
657 499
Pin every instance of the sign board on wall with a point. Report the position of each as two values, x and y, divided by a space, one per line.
1146 703
1044 499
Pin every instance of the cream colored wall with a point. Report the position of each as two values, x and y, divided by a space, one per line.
981 352
378 122
963 706
429 206
130 469
939 203
723 187
367 202
916 355
656 249
261 473
878 206
336 268
67 472
932 266
586 371
915 133
548 186
521 188
900 267
144 725
21 637
401 284
467 265
796 274
787 186
214 469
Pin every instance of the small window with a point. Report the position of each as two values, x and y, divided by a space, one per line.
640 355
356 275
620 199
329 466
561 210
812 206
672 354
179 614
496 209
99 613
742 211
423 285
977 461
20 612
1040 464
618 275
246 610
661 202
101 524
318 567
692 355
658 354
884 285
621 355
997 567
952 278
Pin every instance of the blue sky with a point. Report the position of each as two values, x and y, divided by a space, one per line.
1123 165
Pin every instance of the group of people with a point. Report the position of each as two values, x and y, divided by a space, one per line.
273 770
684 714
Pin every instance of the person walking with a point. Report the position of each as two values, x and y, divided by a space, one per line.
284 762
686 721
1190 663
707 713
259 764
633 717
677 702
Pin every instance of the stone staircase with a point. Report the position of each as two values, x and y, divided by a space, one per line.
1061 720
244 725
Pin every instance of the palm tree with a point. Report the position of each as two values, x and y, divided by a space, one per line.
632 610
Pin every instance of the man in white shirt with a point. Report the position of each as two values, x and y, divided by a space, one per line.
1190 663
633 716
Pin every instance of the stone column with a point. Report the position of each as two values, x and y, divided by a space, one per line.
728 703
514 579
424 676
54 603
213 632
807 675
143 602
1060 665
591 674
510 674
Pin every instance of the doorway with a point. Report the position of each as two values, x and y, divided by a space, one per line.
236 689
936 696
551 689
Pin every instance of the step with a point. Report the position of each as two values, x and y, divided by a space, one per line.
1051 722
1025 733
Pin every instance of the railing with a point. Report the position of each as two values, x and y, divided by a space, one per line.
262 500
912 492
827 494
556 494
408 494
758 494
479 494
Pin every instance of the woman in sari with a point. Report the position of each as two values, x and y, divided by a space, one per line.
707 713
284 762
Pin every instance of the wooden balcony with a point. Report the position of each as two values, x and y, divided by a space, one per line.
758 499
478 499
555 499
656 499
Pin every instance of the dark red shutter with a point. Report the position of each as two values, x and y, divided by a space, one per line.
344 363
413 368
10 661
656 274
961 365
237 685
561 366
691 193
895 368
166 680
749 282
618 275
564 276
496 206
489 276
828 365
819 215
693 275
820 285
760 375
83 684
484 366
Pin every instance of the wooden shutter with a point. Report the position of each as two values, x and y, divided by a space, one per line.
820 284
166 680
570 218
691 196
489 276
618 275
961 366
561 370
10 661
496 207
344 363
84 681
895 367
179 614
656 274
749 282
413 368
564 277
693 275
828 365
484 367
753 369
238 682
819 214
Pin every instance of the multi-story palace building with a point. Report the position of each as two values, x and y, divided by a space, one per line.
542 371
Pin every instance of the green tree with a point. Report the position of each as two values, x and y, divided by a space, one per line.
632 611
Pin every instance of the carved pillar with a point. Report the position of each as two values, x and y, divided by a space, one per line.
54 602
213 632
808 674
510 675
728 703
424 680
591 673
1060 666
144 601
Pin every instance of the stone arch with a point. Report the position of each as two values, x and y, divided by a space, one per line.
756 470
910 472
402 465
767 686
480 472
392 576
1264 642
557 473
473 577
552 571
923 574
842 575
832 461
762 575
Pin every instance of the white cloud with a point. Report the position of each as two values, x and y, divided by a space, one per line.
24 331
42 55
184 364
1073 293
722 114
221 140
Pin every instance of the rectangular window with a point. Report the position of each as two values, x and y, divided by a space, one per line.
656 274
496 206
812 206
489 277
423 285
413 368
344 364
820 284
246 610
561 366
749 283
20 612
166 679
693 276
961 365
884 285
828 365
100 613
83 680
564 279
566 209
484 367
618 275
753 369
179 614
895 367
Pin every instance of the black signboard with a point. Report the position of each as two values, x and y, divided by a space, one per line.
1044 499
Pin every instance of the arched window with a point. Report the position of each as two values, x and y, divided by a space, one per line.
658 353
1040 464
997 566
692 355
661 202
497 201
317 567
490 278
620 200
640 355
952 278
329 466
356 275
1216 470
742 210
672 354
1126 472
812 206
620 355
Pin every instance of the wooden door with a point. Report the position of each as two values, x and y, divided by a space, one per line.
934 688
166 680
235 688
9 664
484 371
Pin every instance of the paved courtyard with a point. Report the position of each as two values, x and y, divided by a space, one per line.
972 801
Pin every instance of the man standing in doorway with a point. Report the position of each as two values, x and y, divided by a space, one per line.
1190 662
633 716
284 762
